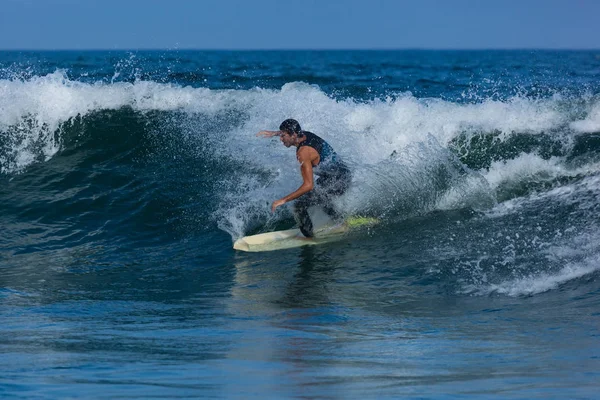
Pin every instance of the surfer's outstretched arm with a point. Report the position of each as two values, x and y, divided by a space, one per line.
268 134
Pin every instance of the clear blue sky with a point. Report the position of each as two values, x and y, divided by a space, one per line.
299 24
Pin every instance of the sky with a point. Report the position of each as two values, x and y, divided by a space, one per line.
299 24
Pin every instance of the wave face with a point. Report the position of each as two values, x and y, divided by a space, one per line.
130 150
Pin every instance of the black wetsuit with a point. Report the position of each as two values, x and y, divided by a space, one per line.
333 180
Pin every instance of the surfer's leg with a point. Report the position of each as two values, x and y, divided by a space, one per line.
330 210
334 189
301 214
326 203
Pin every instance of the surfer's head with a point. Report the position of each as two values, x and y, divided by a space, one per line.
290 126
290 132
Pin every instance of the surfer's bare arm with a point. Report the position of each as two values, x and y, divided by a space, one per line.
268 134
305 157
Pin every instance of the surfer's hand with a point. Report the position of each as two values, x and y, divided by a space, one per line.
276 204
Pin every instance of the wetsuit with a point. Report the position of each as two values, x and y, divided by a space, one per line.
333 180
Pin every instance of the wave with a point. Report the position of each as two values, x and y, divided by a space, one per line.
33 110
416 154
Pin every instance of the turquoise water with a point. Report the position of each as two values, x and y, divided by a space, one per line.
126 177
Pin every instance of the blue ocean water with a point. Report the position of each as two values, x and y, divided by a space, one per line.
125 177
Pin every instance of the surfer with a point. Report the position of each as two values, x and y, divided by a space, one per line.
316 156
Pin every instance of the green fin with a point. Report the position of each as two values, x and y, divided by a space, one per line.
357 221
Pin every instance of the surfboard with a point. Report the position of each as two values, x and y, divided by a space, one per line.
291 238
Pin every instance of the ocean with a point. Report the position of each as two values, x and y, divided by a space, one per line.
125 177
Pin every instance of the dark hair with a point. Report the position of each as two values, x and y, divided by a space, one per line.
290 126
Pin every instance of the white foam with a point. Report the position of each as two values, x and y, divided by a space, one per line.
591 123
376 127
543 282
572 252
583 192
33 110
577 257
523 167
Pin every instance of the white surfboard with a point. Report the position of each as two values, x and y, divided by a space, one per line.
291 238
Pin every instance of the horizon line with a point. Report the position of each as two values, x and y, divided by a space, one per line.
312 49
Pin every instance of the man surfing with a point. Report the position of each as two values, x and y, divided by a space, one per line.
317 157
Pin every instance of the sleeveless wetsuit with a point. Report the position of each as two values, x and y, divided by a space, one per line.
333 180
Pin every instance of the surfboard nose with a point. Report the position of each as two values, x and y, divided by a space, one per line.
241 244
